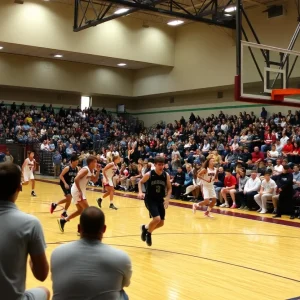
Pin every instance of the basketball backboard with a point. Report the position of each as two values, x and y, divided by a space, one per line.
265 68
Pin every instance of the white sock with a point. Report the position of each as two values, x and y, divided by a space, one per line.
147 226
209 209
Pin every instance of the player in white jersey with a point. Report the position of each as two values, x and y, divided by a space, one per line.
108 173
28 168
78 189
208 176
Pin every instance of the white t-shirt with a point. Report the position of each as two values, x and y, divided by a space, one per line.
274 154
268 186
278 170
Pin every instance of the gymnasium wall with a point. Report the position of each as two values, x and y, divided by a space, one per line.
50 25
58 98
49 74
205 55
204 104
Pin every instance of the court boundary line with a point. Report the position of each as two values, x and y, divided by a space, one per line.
189 206
193 256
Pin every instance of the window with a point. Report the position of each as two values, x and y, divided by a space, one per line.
86 102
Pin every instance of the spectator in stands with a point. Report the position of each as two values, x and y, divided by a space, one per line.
251 188
188 180
177 183
21 236
8 157
219 183
285 189
106 270
296 178
257 156
229 184
45 146
263 113
57 160
267 191
238 193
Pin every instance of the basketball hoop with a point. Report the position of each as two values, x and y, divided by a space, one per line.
279 94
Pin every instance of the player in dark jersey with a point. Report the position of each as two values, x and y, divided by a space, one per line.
67 178
157 182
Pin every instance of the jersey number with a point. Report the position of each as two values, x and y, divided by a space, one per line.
157 189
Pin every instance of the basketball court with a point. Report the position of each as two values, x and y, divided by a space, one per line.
233 256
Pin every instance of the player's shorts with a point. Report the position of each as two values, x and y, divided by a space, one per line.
28 175
65 191
35 294
209 192
76 197
108 183
156 208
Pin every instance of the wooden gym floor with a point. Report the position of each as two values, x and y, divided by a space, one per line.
229 257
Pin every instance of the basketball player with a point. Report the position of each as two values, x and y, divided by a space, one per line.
28 168
108 173
78 190
157 181
208 176
67 178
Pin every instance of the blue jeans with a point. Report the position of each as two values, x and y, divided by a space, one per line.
124 295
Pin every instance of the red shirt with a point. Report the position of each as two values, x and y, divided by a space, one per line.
229 181
288 148
257 155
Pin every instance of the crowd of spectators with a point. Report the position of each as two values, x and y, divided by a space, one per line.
267 143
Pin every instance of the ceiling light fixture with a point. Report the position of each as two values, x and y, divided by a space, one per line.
58 56
122 64
121 11
1 47
230 9
175 22
227 15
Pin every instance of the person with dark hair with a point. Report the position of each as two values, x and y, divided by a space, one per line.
78 189
28 168
21 235
67 178
285 203
157 182
98 271
267 191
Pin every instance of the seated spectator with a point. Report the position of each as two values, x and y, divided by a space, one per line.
296 178
273 153
267 191
287 149
188 179
278 168
194 188
278 147
45 146
220 182
293 157
239 192
177 183
251 188
21 236
98 271
267 141
257 156
269 166
285 203
229 184
8 157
